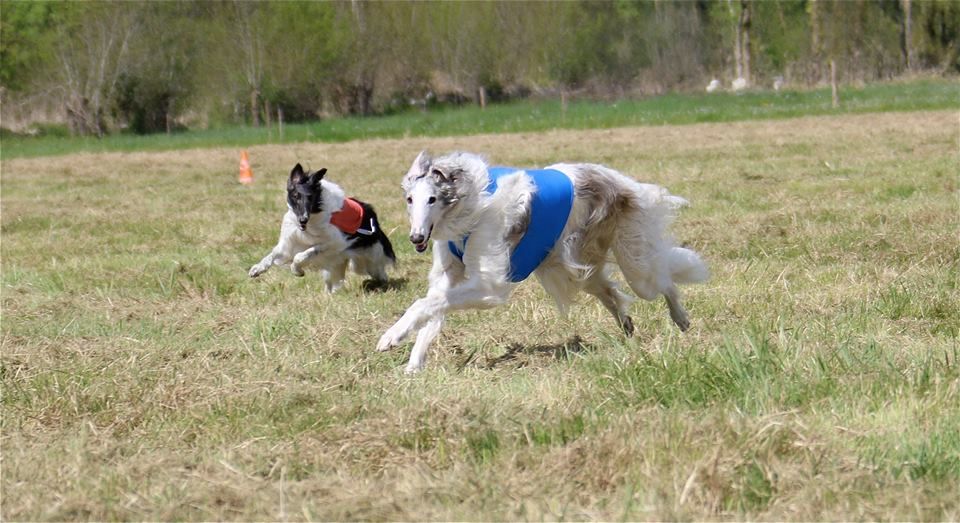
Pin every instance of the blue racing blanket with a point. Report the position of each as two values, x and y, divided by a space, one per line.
549 210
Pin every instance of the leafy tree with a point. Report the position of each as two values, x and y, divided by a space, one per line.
156 86
92 53
25 41
146 66
584 50
937 37
302 64
861 38
781 38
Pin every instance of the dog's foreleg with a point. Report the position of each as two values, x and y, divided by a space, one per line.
445 276
276 256
445 272
425 336
402 328
411 320
474 294
472 297
303 257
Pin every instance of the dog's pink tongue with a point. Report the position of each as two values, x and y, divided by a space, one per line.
420 247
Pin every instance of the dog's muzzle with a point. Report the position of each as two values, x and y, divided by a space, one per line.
419 241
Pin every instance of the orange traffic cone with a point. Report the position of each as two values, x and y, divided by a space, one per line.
246 173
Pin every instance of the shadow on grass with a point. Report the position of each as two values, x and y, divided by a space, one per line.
384 286
522 355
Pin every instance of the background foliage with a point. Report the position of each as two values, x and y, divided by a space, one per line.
148 67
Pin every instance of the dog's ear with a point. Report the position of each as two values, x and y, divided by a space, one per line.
442 175
423 161
317 176
296 174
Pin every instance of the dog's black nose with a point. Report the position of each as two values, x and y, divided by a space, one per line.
417 238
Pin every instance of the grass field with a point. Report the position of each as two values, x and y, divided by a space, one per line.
525 116
145 377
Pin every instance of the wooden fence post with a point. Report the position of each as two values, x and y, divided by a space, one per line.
833 83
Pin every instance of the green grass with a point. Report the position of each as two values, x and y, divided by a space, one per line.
526 116
146 377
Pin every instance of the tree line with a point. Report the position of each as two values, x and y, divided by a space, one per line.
149 67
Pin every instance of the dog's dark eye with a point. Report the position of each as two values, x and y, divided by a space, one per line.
432 200
409 200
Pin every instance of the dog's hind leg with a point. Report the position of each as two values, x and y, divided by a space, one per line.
650 276
335 274
376 267
651 282
677 313
615 301
685 266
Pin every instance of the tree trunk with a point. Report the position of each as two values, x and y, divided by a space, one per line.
744 28
783 20
255 107
816 52
737 46
280 121
84 118
741 40
907 34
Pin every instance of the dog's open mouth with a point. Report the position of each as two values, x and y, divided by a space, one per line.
422 246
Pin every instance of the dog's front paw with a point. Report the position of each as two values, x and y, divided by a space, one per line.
301 257
413 368
257 270
296 270
390 339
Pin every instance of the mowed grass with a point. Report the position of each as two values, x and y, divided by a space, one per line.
525 116
145 377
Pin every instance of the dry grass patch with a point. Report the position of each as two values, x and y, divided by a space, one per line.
145 377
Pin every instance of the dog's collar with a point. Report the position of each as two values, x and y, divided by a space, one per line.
350 217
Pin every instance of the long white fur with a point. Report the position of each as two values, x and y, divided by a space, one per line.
611 213
322 245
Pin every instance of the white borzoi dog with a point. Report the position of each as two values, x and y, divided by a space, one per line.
324 228
478 229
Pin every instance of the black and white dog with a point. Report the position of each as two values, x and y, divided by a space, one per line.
324 228
494 226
